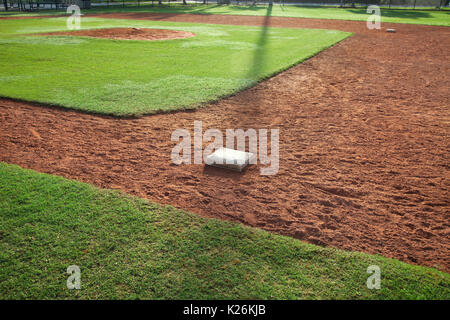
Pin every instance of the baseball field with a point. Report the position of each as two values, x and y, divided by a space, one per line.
86 176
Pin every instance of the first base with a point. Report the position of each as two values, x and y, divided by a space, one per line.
230 159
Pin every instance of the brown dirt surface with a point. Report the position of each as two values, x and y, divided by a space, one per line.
126 34
364 145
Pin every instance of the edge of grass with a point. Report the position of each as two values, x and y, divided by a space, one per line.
192 106
130 248
189 108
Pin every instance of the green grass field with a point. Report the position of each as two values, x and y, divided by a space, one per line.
125 78
129 248
414 16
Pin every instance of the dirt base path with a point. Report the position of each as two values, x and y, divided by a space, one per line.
364 145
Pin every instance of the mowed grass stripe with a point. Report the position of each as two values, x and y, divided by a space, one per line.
130 248
128 78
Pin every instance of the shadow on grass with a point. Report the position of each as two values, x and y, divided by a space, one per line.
164 8
159 12
171 11
259 53
247 8
250 111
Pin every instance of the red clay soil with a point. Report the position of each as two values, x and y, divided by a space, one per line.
126 34
364 145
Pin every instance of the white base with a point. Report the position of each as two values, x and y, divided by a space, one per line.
230 159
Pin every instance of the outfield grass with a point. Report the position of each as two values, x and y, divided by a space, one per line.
129 248
135 77
397 15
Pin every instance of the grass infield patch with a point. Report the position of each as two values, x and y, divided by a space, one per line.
130 248
127 77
